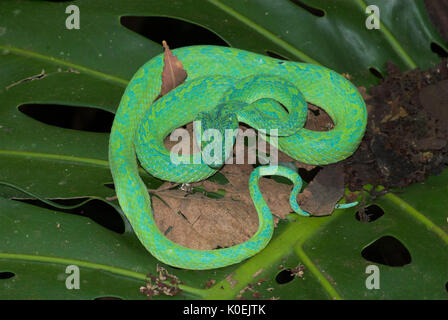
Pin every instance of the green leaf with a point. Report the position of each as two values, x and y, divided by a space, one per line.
46 241
219 178
90 67
41 243
220 193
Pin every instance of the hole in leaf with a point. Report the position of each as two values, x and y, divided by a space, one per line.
437 49
107 298
308 175
314 11
388 251
376 73
446 286
97 210
284 276
177 33
369 214
6 275
276 56
69 117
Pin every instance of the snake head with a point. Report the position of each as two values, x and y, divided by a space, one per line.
216 130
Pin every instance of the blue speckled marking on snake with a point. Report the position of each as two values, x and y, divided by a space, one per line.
240 83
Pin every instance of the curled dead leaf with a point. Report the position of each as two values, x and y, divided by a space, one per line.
173 73
322 194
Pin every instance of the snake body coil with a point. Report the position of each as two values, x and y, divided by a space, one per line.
236 86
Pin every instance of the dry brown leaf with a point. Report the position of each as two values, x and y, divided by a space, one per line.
173 73
322 194
434 99
318 119
396 111
199 222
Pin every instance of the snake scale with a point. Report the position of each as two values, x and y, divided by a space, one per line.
226 86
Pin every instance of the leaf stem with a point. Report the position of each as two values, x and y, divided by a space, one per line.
417 215
53 60
92 265
290 239
319 276
391 39
102 163
274 38
61 157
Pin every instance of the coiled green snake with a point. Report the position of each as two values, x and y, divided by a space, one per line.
225 86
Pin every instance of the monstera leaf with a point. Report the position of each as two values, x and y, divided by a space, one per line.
43 63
